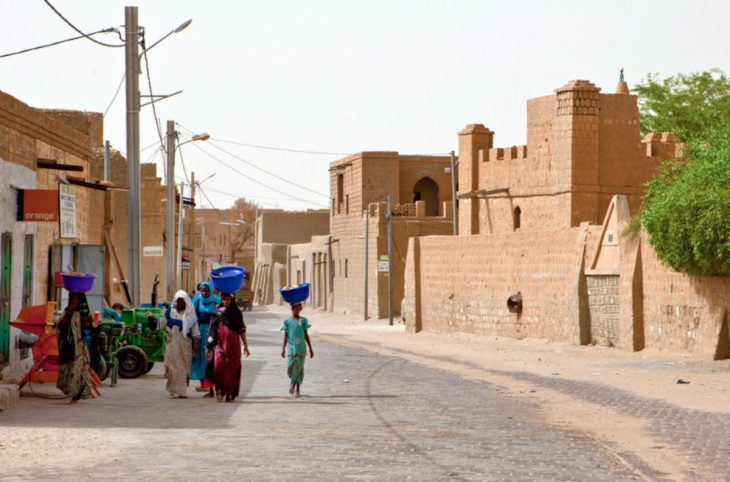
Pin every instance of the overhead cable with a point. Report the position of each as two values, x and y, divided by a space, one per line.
285 149
252 179
88 36
52 44
268 172
154 111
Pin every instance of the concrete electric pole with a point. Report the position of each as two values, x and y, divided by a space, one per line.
193 279
170 229
134 226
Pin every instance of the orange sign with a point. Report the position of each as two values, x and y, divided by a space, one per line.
38 205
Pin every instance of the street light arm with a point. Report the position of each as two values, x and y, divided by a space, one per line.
179 29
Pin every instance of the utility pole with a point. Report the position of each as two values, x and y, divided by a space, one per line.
454 213
365 317
390 264
107 161
133 197
193 281
170 226
179 241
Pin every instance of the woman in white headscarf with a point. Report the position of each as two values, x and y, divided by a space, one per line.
183 337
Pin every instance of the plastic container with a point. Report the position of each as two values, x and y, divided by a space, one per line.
78 283
295 295
227 279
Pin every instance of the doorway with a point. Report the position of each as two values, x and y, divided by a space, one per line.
427 190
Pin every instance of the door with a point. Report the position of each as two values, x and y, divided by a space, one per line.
6 257
28 270
90 259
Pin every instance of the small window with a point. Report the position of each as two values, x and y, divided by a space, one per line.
345 267
347 204
340 192
517 218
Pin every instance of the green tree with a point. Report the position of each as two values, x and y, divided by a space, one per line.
688 105
687 206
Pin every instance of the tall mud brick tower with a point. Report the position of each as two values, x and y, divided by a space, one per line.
472 139
576 149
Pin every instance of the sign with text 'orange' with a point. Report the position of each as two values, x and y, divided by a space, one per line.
38 205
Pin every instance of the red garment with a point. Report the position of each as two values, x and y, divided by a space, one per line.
227 362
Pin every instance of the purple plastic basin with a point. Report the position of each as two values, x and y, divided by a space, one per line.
227 279
78 283
295 295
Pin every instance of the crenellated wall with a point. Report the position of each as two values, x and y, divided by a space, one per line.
583 147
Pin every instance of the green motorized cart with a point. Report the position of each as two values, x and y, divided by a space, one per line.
143 341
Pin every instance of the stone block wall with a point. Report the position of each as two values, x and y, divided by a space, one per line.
603 305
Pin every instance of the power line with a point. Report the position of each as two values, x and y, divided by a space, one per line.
116 93
154 109
52 44
302 151
79 31
285 149
252 179
269 172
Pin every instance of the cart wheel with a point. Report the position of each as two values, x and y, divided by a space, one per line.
132 361
102 369
149 367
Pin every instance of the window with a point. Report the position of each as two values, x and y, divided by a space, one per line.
347 204
517 219
340 191
345 267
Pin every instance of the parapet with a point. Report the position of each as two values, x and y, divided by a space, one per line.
662 144
514 153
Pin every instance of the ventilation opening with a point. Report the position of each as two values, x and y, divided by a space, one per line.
517 218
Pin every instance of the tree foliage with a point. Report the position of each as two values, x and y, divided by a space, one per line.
687 207
243 232
688 105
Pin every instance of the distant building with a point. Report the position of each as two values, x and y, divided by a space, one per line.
275 230
420 191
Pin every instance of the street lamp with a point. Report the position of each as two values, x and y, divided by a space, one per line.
172 146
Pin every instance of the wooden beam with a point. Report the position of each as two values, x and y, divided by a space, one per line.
53 164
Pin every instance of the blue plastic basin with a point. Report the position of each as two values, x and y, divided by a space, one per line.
78 283
227 279
295 295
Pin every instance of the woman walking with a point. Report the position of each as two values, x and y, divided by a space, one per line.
73 354
183 337
227 331
205 303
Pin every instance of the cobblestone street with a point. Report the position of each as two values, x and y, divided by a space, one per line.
362 416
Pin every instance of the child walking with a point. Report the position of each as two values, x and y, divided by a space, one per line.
296 340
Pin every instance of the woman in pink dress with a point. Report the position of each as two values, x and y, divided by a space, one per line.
227 331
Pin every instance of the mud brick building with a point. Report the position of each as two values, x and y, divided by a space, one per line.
29 136
547 221
420 192
275 230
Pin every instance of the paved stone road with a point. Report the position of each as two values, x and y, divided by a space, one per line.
362 416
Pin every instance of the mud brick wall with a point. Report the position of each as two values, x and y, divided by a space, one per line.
682 313
465 282
603 305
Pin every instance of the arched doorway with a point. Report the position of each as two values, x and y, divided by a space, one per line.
427 190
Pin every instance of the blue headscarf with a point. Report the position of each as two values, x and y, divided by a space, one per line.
205 306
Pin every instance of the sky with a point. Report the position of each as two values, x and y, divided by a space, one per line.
342 76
